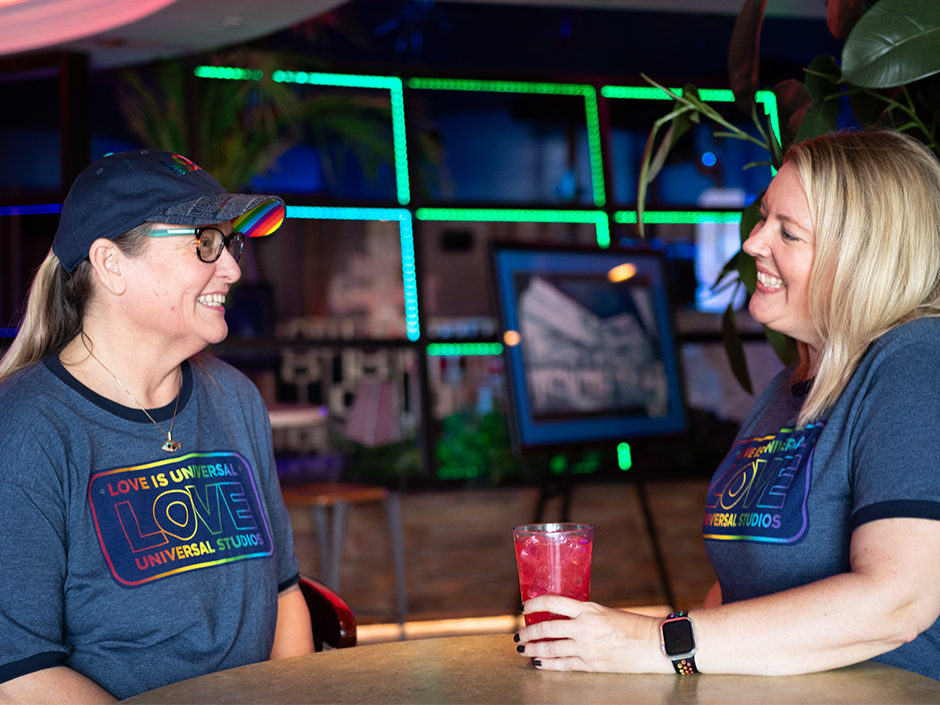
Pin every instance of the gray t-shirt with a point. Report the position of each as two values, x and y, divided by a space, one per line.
782 506
130 565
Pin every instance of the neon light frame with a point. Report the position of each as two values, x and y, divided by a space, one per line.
392 84
588 91
767 99
406 231
528 430
522 215
463 349
679 217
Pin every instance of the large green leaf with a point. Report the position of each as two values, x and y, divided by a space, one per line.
894 43
735 349
746 269
821 118
822 77
743 54
868 107
783 345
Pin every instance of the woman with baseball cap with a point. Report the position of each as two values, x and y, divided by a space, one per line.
144 539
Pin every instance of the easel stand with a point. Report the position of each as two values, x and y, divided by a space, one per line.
553 486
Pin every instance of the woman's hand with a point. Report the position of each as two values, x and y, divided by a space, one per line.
595 638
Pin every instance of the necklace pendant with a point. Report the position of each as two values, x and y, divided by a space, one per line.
172 446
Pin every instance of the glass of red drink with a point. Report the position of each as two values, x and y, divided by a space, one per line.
553 559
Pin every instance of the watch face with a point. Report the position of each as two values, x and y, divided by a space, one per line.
677 637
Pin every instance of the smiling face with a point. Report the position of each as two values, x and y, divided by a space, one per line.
783 244
176 297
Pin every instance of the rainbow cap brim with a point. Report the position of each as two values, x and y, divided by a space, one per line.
261 220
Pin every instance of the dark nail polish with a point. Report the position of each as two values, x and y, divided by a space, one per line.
520 649
515 638
536 663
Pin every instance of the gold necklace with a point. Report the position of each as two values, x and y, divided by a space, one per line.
170 446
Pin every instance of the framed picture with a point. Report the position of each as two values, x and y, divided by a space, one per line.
589 343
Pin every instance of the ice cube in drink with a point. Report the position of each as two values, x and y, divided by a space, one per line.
553 559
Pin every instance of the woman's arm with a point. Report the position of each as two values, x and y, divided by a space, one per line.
53 685
293 635
891 595
713 598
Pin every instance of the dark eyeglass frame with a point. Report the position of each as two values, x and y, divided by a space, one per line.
234 243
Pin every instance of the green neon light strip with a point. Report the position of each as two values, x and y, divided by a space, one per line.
406 232
508 215
624 456
228 73
709 95
392 84
594 145
455 84
694 217
457 349
400 143
590 108
346 80
520 215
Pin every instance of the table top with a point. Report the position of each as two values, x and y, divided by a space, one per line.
487 669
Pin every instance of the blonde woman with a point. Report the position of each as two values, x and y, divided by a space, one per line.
823 522
144 539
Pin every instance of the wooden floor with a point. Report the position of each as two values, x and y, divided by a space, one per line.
460 561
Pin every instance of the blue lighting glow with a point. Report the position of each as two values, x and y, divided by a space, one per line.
709 159
31 210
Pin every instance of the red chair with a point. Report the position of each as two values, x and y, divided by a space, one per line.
332 620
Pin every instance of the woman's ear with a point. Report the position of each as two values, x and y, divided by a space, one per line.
109 264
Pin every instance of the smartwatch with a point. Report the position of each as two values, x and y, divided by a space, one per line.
679 642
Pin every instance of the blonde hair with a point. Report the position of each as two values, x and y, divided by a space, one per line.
874 198
55 307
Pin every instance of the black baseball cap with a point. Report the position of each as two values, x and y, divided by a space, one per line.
125 189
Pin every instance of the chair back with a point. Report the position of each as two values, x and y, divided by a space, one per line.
333 621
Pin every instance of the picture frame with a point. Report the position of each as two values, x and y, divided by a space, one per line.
589 344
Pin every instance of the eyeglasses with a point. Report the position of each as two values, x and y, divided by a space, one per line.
210 241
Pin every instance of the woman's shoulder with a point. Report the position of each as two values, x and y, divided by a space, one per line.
903 361
920 330
26 385
921 334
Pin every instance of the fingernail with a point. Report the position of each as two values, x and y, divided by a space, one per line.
515 638
536 663
521 649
